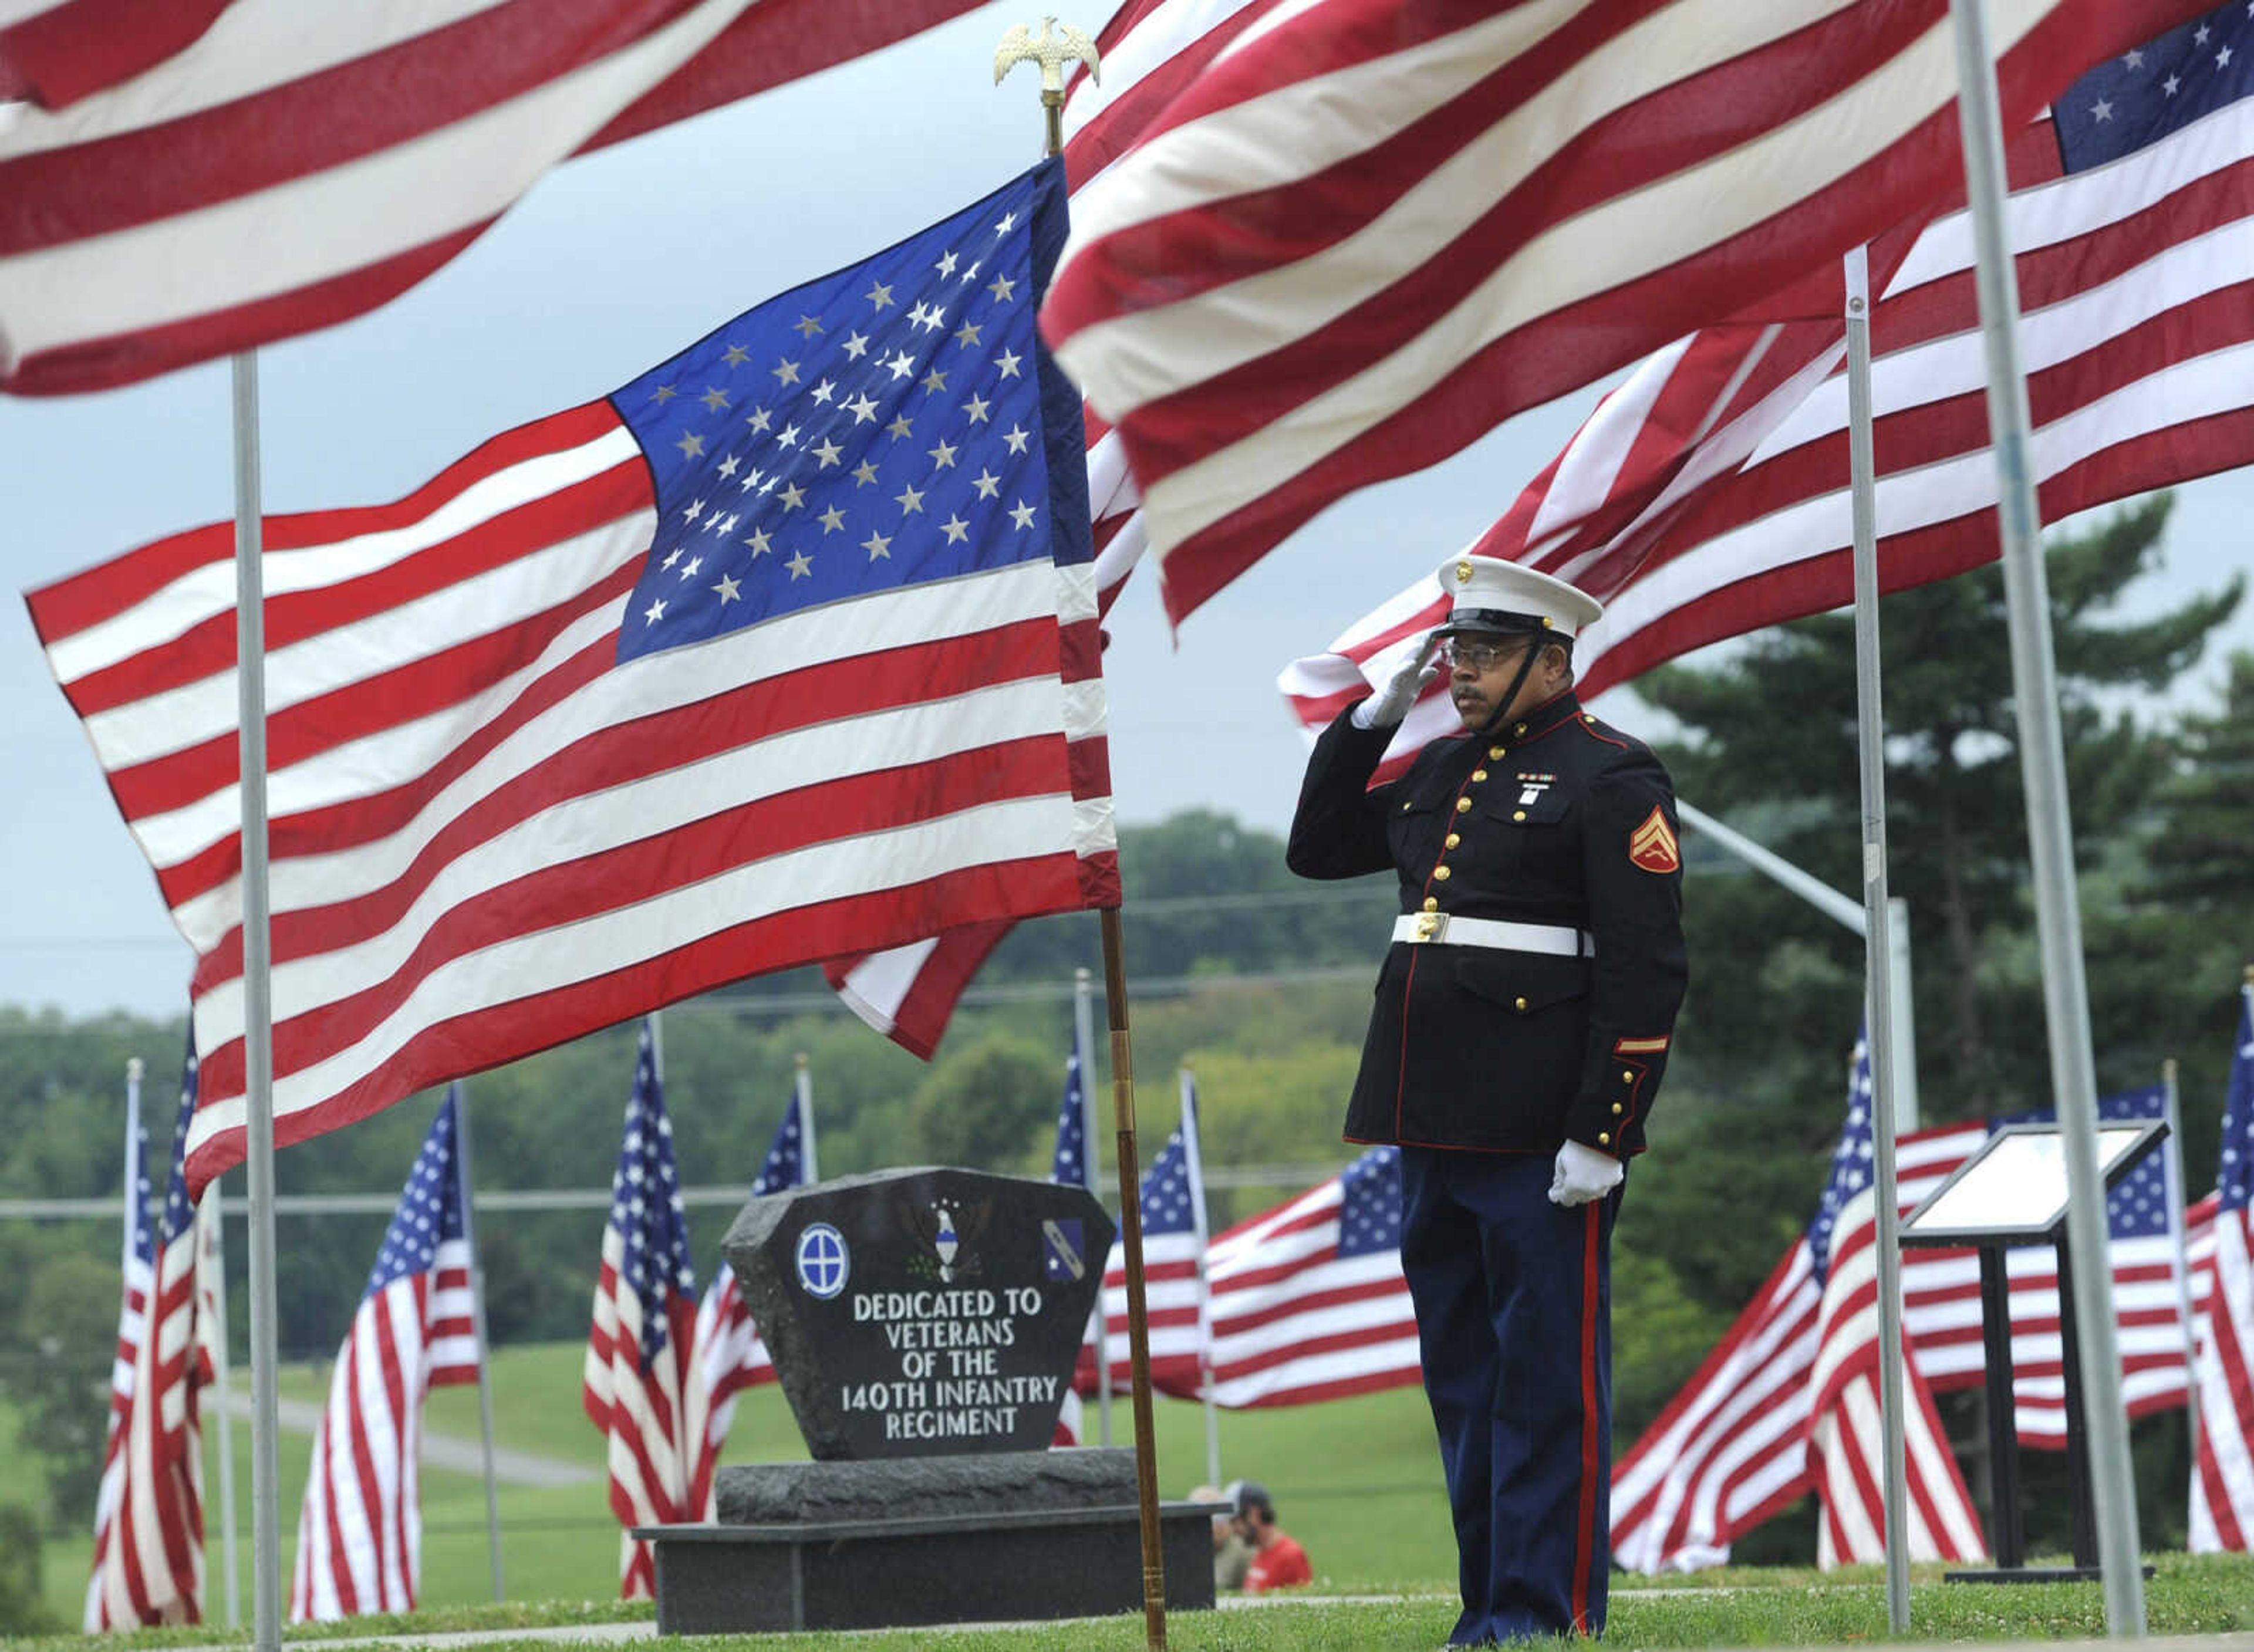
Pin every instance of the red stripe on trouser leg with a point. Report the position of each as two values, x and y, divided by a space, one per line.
1584 1536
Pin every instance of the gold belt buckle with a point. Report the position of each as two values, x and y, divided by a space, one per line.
1431 925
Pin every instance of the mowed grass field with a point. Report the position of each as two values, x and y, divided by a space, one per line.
1357 1481
2212 1595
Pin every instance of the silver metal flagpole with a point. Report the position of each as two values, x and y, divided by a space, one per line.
212 1214
803 1091
1194 1162
1083 1033
2050 831
1904 1041
137 1196
2172 1167
257 1021
1774 866
1877 934
460 1097
1848 915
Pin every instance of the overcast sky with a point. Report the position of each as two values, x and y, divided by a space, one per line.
611 264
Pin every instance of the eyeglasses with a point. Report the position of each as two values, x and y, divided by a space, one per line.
1477 656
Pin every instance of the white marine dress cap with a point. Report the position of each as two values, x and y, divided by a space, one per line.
1491 595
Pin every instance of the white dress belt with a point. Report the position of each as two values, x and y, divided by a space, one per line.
1557 941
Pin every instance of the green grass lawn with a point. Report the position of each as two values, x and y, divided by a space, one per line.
2212 1595
1356 1482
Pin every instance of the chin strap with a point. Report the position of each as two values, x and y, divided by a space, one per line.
1510 697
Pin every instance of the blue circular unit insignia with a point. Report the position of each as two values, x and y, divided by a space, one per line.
823 1262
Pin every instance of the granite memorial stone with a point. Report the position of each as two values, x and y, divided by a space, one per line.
924 1326
922 1313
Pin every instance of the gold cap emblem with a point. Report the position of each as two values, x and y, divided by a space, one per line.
1463 573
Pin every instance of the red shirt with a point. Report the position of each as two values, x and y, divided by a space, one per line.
1278 1567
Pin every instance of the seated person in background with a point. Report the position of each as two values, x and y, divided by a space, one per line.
1231 1554
1277 1562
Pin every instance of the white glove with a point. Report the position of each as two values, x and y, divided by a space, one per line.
1582 1174
1385 709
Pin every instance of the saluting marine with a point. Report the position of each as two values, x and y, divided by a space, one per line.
1520 1031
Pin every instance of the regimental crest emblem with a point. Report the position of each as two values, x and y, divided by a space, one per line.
1653 846
949 1228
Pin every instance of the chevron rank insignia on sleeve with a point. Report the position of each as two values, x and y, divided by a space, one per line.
1653 846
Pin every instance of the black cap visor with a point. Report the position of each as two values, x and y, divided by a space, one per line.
1493 622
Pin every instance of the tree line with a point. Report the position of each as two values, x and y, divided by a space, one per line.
1267 982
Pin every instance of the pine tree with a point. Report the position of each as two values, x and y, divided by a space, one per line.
1770 744
2202 859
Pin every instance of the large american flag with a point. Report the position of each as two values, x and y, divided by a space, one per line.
2223 1479
1309 1302
136 1271
1174 1267
1731 1450
731 1356
788 649
290 166
1276 305
639 1385
360 1528
1708 496
151 1570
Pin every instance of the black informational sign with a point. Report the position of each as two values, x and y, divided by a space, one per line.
922 1313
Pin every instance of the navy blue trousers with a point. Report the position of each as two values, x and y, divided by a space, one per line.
1514 1309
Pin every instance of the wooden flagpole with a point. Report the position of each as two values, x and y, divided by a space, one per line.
1050 52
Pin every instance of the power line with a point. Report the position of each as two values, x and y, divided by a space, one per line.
550 1199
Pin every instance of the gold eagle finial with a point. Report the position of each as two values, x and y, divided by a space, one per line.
1056 47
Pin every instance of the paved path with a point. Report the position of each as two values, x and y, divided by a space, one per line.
444 1451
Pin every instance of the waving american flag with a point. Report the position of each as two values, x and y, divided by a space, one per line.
148 1566
290 166
786 650
1309 1302
1732 1448
137 1272
1708 494
1174 1262
1275 303
360 1528
638 1384
2223 1479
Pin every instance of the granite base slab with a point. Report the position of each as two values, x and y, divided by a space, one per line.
1014 1536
